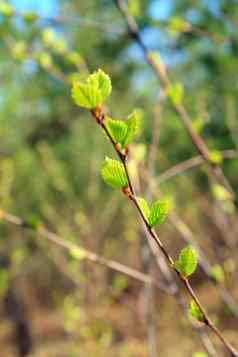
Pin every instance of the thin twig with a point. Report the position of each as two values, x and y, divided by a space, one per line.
189 237
160 260
183 166
79 21
69 246
99 118
172 289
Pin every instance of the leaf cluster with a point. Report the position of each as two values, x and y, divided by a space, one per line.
123 132
156 214
93 91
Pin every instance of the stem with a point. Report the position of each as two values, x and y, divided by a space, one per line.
208 321
189 237
99 116
159 257
186 283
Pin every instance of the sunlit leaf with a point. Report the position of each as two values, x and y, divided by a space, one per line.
93 92
144 207
102 82
187 262
113 173
134 124
116 128
158 212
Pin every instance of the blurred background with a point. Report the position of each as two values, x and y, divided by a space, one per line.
57 301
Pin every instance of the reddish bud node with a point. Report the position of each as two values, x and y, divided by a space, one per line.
127 192
98 114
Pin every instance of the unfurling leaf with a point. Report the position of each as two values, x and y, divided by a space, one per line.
116 128
134 124
113 173
144 207
187 262
93 91
101 82
158 212
123 132
196 312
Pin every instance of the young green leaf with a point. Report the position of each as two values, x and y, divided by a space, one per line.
158 212
195 311
187 262
144 207
93 92
101 82
113 173
134 124
116 128
217 273
123 132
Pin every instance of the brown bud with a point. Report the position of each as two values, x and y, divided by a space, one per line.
127 192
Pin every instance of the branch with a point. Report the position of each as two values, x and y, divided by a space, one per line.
166 272
99 117
181 167
189 237
93 257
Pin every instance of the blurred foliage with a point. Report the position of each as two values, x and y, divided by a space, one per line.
51 152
